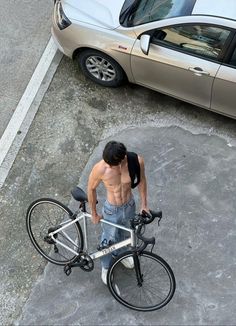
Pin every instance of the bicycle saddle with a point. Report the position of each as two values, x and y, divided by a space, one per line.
79 195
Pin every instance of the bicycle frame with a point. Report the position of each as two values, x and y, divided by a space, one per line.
94 255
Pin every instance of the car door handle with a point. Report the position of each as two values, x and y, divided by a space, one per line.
198 71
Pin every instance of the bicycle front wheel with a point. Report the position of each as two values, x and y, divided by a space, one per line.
151 290
46 215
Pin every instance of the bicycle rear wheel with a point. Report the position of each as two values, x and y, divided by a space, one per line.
45 215
156 289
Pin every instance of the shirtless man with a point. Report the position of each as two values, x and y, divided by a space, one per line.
119 206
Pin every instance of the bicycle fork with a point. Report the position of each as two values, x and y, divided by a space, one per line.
138 273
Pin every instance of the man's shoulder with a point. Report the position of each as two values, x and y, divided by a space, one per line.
140 159
99 167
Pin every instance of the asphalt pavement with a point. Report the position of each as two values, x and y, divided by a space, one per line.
193 183
190 166
189 154
25 31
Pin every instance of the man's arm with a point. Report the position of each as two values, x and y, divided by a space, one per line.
93 182
142 187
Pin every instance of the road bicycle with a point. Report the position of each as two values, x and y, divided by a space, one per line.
56 233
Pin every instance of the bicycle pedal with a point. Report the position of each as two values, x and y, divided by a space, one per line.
67 270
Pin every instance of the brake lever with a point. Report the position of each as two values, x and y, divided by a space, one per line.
146 214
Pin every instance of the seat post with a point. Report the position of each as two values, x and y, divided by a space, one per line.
85 233
83 206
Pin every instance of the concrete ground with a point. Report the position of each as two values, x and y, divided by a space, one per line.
25 31
187 179
190 165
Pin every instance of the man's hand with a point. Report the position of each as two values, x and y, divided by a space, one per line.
96 218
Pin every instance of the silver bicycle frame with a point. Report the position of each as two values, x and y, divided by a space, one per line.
83 216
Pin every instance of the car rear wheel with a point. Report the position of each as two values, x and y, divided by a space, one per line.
101 68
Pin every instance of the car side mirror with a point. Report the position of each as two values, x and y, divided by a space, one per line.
145 43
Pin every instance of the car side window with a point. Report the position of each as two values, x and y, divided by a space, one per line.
232 61
203 40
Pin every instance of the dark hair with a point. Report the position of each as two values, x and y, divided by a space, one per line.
114 152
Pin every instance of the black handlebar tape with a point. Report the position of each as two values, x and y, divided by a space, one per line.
146 240
147 217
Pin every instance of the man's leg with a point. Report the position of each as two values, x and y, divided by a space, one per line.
109 233
128 213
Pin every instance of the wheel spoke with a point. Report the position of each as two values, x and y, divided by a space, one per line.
93 69
103 62
109 74
93 61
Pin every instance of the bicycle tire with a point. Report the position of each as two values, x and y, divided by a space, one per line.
38 227
122 282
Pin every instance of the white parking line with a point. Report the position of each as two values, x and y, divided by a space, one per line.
23 108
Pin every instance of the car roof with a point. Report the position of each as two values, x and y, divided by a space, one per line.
220 8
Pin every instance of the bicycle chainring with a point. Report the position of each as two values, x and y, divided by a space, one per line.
86 263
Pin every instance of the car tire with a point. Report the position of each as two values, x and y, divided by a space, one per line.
100 68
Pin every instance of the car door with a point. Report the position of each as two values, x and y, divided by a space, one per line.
224 86
182 61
